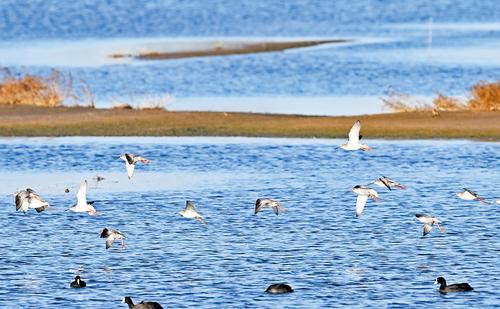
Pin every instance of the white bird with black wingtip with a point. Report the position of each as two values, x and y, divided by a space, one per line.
428 222
353 143
470 195
190 212
27 199
130 161
364 193
82 205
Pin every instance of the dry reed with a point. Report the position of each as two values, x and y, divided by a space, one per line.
49 91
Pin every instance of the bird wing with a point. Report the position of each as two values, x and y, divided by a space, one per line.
190 206
109 241
258 207
384 181
81 196
360 204
21 200
130 169
427 229
354 133
119 233
471 192
36 201
130 158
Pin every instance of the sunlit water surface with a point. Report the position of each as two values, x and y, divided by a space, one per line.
390 49
329 257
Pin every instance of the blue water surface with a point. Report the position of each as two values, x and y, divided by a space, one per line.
331 258
391 48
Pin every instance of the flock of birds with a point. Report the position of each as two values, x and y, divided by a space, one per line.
26 199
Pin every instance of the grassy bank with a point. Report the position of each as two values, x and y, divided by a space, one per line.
22 120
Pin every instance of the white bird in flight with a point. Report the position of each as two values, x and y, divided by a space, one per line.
470 195
267 202
363 194
27 199
428 222
353 143
190 212
388 183
130 161
82 205
112 235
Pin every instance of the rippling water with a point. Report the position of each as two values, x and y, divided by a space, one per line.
391 49
330 258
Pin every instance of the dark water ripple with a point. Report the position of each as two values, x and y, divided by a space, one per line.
331 258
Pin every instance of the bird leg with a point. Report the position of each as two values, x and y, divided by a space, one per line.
201 220
376 199
123 244
283 210
441 229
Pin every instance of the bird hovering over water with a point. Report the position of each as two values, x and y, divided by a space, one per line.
428 222
190 212
112 235
353 143
388 183
130 161
470 195
267 202
27 199
363 194
82 205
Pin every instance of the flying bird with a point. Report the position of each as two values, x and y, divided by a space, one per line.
190 212
353 143
78 283
364 193
112 235
267 202
388 183
470 195
27 199
457 287
82 205
428 222
130 161
142 305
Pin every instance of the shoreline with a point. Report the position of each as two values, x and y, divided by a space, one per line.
227 48
30 121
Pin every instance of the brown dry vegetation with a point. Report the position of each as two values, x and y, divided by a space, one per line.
78 121
483 97
53 90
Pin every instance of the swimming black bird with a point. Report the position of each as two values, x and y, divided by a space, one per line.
458 287
142 305
279 288
78 283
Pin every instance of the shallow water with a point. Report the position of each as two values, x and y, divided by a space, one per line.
390 50
330 258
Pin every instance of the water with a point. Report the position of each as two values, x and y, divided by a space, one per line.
330 258
390 50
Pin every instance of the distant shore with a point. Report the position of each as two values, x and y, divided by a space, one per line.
223 48
22 120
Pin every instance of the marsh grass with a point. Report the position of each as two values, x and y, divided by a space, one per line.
53 90
483 97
